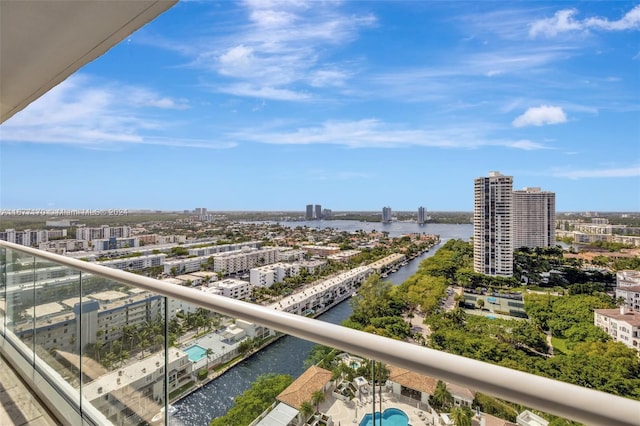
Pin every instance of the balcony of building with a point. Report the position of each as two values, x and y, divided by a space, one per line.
57 338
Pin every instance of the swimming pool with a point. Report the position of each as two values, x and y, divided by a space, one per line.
390 417
196 353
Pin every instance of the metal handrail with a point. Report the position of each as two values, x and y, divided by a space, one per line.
563 399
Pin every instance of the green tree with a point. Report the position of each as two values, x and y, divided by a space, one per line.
254 400
306 411
462 416
441 398
317 398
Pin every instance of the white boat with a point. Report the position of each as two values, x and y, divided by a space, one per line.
158 417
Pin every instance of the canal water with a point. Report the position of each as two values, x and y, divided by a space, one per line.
287 355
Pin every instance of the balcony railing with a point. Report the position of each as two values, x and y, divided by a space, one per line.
56 323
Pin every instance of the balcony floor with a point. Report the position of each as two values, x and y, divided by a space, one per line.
18 405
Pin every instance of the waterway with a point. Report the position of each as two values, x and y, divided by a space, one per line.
287 355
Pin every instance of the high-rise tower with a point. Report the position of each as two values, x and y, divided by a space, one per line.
318 212
309 213
493 225
386 214
534 215
422 215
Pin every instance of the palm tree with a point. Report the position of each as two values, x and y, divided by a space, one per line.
306 410
317 398
461 416
441 397
209 353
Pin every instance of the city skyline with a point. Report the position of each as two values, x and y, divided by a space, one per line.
356 104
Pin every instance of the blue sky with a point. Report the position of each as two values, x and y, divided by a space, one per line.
272 105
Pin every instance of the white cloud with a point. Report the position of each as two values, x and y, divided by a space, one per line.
564 21
264 92
86 112
526 145
630 21
539 116
372 133
282 44
561 22
623 172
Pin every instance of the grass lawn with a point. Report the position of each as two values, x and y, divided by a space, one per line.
560 345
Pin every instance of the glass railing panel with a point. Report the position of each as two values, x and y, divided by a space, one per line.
3 289
123 351
55 330
19 298
57 292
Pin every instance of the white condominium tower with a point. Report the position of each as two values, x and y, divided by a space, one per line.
422 215
493 225
534 213
386 214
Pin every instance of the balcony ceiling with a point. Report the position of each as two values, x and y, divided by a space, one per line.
42 42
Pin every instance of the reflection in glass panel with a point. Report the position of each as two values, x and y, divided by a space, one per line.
57 292
123 358
3 287
20 295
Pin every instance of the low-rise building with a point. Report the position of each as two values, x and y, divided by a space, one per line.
184 266
268 275
621 324
136 263
115 243
235 289
99 318
243 260
323 251
287 254
630 296
420 387
318 298
132 392
627 278
222 248
344 255
64 246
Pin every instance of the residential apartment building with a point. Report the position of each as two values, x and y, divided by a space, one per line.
234 289
386 214
64 246
344 255
245 259
317 212
422 215
115 243
100 318
493 234
309 212
621 324
287 254
534 218
137 263
223 248
323 251
630 295
627 277
184 266
129 394
31 237
268 275
103 232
